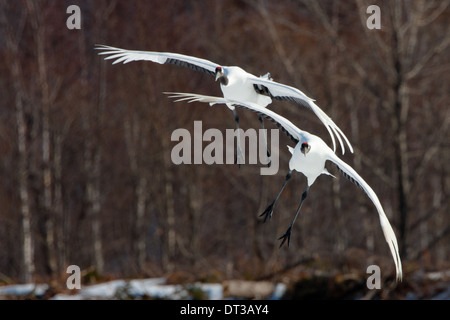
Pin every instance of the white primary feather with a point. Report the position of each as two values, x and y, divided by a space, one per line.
125 56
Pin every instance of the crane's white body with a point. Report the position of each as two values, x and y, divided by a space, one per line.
240 88
312 165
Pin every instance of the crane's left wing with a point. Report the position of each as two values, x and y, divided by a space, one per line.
388 232
125 56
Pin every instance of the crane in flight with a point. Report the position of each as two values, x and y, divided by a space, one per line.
308 157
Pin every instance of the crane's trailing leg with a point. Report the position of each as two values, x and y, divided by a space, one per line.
239 159
261 120
287 234
269 210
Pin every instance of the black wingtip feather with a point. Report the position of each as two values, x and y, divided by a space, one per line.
272 120
296 100
188 65
348 177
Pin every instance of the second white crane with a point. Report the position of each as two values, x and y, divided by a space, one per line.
308 157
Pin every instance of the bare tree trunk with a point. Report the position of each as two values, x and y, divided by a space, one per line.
47 202
400 108
170 218
341 238
135 142
94 197
401 164
28 261
167 204
357 165
93 190
92 125
61 231
141 208
27 239
28 268
194 211
92 168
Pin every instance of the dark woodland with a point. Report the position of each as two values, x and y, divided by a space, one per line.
86 175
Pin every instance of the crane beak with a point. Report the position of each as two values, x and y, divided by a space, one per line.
222 76
219 73
305 148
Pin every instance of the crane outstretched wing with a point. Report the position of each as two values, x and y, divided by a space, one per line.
280 91
125 56
388 232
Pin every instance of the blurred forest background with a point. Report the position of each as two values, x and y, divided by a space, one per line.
86 176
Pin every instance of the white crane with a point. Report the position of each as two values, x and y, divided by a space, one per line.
236 84
308 157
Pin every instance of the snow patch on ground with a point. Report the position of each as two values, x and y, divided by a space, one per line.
21 290
152 288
